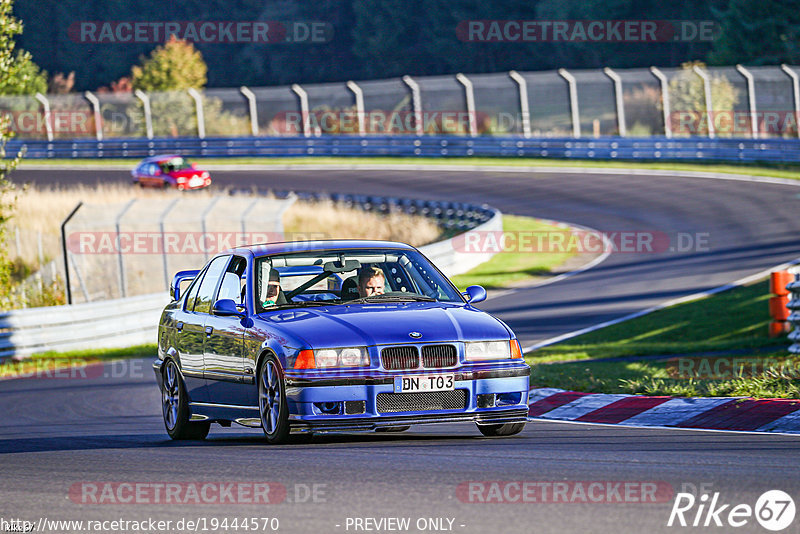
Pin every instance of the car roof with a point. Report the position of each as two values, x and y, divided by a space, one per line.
267 249
159 158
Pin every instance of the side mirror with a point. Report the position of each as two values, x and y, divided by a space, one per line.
226 308
194 165
475 294
175 286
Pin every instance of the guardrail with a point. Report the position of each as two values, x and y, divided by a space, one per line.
794 309
109 324
601 148
134 320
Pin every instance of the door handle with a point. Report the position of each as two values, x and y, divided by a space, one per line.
209 330
179 326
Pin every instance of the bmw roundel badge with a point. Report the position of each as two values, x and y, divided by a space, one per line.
415 335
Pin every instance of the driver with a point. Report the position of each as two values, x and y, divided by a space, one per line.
273 288
370 281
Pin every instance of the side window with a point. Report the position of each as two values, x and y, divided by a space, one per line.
232 282
208 287
191 295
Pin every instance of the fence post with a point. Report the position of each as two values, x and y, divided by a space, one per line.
573 101
619 100
198 104
48 125
795 93
64 249
524 109
203 222
664 100
161 217
291 198
122 280
469 94
80 279
40 250
709 103
360 112
751 99
303 96
251 101
148 114
243 218
98 117
416 103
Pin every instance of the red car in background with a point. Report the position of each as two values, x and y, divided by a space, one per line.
170 171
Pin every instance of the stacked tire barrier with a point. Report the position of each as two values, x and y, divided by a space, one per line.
793 306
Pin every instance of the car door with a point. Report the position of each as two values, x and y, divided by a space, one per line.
224 369
191 327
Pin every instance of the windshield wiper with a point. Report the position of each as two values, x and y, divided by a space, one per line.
391 298
305 304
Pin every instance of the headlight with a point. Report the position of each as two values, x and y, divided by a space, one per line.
328 358
488 350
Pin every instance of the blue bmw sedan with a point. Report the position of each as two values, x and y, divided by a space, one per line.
323 336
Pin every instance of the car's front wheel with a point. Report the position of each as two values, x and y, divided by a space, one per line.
175 407
506 429
272 401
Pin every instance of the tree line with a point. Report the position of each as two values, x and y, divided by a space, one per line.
369 39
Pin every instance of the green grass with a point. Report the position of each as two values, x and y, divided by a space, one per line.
507 268
764 169
654 378
732 320
47 361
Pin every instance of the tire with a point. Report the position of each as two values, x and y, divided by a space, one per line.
272 405
506 429
392 429
175 407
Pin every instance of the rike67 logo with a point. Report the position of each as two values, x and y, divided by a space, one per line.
774 510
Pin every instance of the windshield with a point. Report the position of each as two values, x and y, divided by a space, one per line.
361 276
175 164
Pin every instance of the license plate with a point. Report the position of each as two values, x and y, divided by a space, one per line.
411 384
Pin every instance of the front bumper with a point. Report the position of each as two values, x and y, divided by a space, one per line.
305 396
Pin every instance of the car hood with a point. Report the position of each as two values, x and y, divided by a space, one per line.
381 324
186 172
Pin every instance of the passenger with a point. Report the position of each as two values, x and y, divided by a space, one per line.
370 281
273 288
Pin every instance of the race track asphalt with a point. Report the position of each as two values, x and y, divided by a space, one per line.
56 433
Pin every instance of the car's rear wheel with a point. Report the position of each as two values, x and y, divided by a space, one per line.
175 407
505 429
272 404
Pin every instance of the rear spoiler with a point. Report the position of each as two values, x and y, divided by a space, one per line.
180 276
